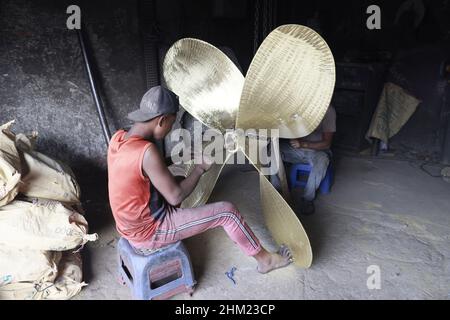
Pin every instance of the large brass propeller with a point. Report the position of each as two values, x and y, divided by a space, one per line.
288 87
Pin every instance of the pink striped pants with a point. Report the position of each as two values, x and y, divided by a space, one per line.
184 223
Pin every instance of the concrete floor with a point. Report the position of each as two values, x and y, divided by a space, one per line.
380 212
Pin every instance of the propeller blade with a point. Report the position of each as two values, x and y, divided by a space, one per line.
289 83
207 82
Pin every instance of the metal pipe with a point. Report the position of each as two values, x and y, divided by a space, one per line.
97 99
150 41
149 32
256 27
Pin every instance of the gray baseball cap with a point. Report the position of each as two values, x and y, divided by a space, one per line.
155 102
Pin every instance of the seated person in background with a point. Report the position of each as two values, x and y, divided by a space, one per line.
313 149
144 195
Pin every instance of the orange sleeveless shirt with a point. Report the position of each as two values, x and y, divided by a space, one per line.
136 205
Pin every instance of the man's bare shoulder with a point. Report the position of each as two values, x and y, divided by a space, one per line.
152 156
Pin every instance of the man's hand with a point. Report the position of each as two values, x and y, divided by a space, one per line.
295 143
299 143
324 144
206 164
173 191
203 162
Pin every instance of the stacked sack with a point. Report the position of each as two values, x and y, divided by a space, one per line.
40 228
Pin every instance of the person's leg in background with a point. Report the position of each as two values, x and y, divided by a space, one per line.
318 160
184 223
288 155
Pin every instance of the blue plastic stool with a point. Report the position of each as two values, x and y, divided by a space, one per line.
159 275
302 170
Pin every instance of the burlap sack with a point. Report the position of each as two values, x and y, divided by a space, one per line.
67 284
26 142
42 225
10 167
44 177
47 178
19 265
41 176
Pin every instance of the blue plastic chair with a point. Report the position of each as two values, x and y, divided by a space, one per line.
300 170
159 275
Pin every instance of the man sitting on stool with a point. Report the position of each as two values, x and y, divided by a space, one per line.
313 149
145 197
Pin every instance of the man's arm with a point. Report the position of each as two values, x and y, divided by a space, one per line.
324 144
156 170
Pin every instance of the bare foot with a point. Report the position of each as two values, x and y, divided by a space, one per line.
272 261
